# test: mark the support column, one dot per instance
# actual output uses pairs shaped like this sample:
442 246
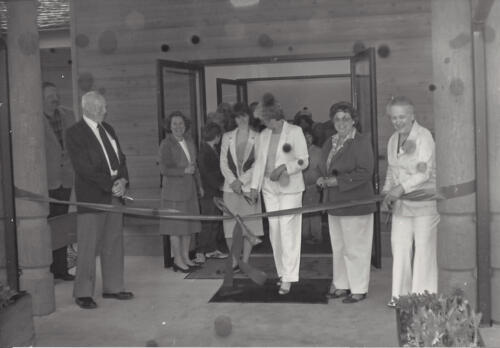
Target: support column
492 42
455 146
28 143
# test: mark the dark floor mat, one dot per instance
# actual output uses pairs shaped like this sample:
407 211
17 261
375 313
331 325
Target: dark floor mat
311 267
246 291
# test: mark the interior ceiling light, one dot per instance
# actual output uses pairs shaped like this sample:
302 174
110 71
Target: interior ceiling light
244 3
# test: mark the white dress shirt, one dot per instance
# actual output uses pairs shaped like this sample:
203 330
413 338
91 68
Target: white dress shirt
93 125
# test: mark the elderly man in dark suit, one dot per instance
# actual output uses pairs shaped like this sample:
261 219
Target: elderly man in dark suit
100 177
59 171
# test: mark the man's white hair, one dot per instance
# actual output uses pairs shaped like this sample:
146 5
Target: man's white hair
91 103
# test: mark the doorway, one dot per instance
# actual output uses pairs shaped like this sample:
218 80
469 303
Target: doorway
198 87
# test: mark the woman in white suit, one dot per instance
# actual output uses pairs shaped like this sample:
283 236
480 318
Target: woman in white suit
236 163
411 166
281 157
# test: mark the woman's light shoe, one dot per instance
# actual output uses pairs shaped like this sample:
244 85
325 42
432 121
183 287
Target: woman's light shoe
284 288
392 303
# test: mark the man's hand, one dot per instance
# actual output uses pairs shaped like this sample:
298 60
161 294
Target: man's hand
275 175
119 187
201 192
236 186
189 169
321 182
331 181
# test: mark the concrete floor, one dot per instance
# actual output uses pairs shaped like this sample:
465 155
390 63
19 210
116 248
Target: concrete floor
171 311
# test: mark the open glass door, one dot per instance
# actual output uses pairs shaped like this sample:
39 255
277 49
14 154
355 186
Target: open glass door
364 98
180 87
231 91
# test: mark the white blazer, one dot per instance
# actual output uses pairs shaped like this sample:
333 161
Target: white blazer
229 144
295 161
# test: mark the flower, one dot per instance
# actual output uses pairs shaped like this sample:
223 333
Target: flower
287 147
421 167
408 147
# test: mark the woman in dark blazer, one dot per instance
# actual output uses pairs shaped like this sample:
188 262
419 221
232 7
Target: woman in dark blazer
181 186
347 170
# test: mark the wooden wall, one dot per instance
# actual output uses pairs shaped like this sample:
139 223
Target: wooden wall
117 43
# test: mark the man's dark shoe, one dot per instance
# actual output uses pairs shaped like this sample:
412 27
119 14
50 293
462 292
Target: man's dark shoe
66 277
86 302
122 295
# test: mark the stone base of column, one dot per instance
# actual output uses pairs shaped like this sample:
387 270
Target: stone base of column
39 283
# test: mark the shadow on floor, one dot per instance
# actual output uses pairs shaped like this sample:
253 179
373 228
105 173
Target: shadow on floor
169 310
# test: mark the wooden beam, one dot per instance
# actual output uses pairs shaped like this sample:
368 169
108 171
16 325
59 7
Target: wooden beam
483 246
481 10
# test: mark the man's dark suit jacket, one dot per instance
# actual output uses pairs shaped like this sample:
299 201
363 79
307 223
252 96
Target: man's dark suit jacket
93 181
211 176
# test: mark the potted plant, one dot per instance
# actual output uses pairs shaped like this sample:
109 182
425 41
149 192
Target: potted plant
437 320
16 318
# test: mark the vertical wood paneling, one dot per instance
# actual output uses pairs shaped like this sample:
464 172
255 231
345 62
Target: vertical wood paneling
273 28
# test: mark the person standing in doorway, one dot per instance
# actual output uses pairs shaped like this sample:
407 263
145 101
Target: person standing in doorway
60 174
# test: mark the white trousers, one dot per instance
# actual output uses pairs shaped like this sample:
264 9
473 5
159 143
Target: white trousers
351 238
422 230
284 231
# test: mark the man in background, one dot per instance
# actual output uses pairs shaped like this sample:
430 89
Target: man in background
59 170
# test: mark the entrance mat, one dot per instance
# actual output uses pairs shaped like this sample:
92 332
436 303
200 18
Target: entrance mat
311 267
246 291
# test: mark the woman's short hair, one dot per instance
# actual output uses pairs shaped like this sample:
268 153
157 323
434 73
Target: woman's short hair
211 131
269 108
168 121
347 108
400 100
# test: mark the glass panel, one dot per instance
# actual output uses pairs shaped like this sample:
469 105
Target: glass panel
179 93
229 93
362 87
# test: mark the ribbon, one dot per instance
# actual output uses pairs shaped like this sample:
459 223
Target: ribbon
442 193
241 230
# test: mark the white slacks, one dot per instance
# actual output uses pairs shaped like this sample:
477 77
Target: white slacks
422 230
351 238
284 231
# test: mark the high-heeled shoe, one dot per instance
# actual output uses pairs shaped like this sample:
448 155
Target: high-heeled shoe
180 269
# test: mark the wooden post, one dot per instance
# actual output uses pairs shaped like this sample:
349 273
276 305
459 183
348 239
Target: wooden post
28 143
455 146
492 50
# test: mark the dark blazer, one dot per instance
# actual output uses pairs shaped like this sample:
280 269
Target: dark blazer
59 170
353 166
93 181
177 185
211 176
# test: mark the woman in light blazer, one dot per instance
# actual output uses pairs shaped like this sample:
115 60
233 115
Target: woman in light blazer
236 163
411 161
180 188
281 157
